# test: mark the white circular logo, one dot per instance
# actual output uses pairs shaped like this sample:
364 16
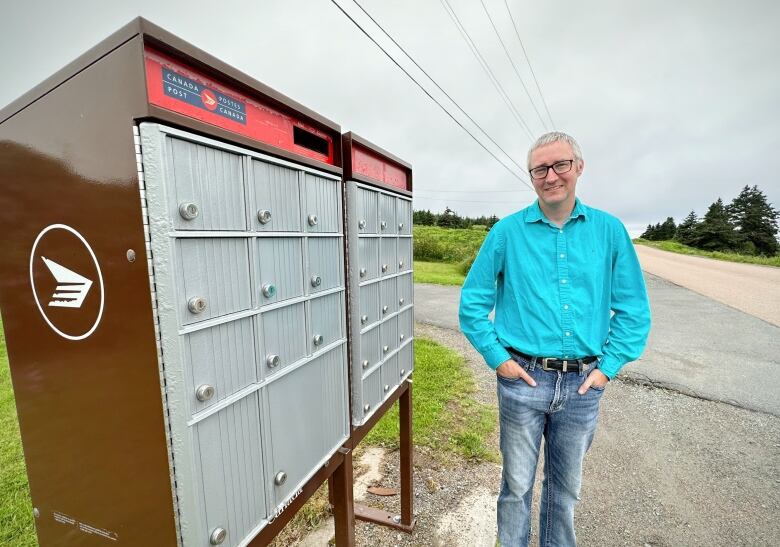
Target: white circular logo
66 282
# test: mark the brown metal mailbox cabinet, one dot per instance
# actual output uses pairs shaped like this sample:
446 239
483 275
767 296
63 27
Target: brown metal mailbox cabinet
173 295
379 235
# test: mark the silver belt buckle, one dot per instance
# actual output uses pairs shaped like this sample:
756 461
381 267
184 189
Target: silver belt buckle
545 367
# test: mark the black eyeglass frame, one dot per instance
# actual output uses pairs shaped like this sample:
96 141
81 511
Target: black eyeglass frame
548 167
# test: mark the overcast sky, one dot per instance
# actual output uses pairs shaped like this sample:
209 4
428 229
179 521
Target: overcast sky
674 103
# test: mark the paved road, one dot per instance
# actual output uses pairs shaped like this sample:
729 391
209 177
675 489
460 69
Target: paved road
747 287
697 346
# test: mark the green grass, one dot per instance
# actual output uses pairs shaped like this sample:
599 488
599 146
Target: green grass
434 244
445 416
440 273
16 522
675 247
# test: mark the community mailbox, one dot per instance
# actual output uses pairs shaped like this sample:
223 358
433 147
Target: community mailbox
379 232
173 295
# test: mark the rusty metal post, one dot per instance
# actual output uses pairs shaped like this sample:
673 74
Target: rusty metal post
340 485
407 486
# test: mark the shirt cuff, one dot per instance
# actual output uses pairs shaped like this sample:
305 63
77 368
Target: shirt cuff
609 366
496 355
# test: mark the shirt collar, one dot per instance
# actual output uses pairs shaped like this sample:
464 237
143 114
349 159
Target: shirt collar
534 212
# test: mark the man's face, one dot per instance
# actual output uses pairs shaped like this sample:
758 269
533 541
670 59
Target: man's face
556 189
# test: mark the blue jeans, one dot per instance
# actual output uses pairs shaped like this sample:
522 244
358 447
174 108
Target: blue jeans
567 420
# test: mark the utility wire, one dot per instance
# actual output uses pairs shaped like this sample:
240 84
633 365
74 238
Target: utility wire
514 66
517 32
399 46
480 143
483 63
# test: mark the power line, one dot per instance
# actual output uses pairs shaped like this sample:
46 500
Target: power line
364 31
514 66
517 32
482 191
483 63
447 200
399 46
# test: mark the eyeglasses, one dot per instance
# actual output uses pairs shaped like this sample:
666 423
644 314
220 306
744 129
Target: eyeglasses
560 167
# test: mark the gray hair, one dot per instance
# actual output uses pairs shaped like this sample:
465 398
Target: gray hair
555 136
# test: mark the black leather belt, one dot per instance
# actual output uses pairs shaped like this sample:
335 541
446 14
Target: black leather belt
553 363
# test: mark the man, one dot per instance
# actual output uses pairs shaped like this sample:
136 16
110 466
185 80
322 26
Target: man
570 310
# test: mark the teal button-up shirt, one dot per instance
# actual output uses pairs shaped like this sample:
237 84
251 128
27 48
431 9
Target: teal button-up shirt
568 292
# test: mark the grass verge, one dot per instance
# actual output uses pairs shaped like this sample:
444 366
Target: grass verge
444 415
675 247
440 273
16 522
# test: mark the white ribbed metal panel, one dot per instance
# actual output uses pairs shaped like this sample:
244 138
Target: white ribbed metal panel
367 211
376 325
403 212
387 219
279 262
282 335
275 199
212 180
326 265
223 357
321 198
302 406
215 270
324 330
229 451
404 289
388 256
367 258
232 418
369 304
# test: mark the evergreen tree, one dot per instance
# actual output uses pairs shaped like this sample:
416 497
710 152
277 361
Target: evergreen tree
686 229
491 221
756 220
649 233
667 230
449 219
715 232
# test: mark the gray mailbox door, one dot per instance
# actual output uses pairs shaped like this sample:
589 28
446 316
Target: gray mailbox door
245 254
379 227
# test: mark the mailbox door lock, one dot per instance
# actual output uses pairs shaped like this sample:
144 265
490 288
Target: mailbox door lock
401 301
387 388
317 339
363 319
272 361
264 216
402 337
365 364
197 304
217 536
400 225
188 210
316 281
269 290
383 224
384 309
361 224
384 268
312 220
204 393
366 407
280 478
403 371
363 272
385 349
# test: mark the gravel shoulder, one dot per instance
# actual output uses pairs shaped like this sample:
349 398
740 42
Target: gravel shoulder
665 469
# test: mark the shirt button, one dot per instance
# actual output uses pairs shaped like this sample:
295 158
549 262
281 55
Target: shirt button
568 334
563 281
563 255
565 306
565 356
560 231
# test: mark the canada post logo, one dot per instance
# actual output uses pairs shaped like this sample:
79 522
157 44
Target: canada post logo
191 92
66 281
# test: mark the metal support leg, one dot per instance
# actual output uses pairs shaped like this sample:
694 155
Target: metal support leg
407 487
340 492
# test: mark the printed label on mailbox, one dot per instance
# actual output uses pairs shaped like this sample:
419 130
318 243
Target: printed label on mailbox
191 92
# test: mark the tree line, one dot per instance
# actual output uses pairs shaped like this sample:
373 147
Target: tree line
747 225
451 219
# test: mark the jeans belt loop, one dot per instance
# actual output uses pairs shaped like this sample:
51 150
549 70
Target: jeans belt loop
532 365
